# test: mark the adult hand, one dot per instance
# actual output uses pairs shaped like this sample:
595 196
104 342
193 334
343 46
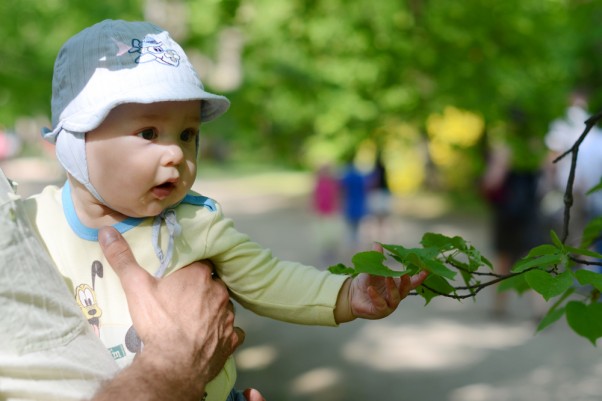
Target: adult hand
192 346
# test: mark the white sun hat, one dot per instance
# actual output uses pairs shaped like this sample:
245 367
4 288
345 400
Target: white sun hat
115 62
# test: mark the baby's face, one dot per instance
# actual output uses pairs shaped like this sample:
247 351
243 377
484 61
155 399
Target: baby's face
142 158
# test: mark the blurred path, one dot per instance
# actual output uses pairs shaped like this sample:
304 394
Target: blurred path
446 351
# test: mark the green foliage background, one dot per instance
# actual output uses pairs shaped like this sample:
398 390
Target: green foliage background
336 71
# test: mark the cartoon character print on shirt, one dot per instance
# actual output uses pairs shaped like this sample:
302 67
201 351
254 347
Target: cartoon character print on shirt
85 296
152 50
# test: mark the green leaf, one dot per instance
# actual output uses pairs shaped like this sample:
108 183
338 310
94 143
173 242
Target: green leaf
442 242
541 261
516 283
403 252
410 257
342 269
436 283
371 262
585 320
556 240
486 262
591 232
584 252
412 269
556 311
414 259
585 277
596 188
435 267
548 285
551 317
477 260
542 250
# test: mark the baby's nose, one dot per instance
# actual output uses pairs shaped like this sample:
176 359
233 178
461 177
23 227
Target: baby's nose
172 155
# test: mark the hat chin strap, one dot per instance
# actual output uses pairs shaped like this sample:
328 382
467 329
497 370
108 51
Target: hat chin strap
71 153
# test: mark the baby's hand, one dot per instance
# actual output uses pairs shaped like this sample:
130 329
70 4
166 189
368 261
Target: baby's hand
375 297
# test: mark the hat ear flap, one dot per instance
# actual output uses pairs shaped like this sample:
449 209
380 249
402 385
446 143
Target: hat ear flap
71 153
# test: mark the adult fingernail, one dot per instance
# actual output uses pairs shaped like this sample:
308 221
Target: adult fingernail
107 236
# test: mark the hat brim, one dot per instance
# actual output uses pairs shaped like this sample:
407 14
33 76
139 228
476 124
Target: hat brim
212 105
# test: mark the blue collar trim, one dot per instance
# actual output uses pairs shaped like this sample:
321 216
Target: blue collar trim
200 200
91 234
85 232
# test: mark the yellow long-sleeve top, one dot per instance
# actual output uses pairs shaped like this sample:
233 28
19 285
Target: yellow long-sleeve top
270 287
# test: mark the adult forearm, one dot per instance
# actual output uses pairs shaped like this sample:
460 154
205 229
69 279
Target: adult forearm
146 379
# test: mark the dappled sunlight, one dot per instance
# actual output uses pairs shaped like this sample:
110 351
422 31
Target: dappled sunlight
256 204
257 193
545 383
316 380
437 344
255 358
479 392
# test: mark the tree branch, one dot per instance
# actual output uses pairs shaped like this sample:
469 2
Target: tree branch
574 151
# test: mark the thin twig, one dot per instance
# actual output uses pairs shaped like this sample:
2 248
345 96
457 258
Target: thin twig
475 289
568 193
586 262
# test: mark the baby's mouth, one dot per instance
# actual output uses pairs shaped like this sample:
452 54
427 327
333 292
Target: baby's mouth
164 190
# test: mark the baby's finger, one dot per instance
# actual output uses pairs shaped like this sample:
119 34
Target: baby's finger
418 279
378 302
405 286
377 247
393 294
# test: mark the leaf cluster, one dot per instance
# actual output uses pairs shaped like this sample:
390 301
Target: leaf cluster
447 259
458 270
556 271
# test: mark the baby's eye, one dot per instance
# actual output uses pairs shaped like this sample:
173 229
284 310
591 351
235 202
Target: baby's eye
188 135
149 134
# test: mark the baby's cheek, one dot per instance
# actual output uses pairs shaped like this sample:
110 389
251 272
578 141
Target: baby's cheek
191 167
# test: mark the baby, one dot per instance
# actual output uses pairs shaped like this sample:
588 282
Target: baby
126 110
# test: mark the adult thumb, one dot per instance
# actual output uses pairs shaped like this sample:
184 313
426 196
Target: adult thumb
252 394
122 260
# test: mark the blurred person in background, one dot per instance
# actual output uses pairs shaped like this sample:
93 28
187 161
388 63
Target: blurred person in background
326 207
562 135
379 198
10 144
354 191
511 191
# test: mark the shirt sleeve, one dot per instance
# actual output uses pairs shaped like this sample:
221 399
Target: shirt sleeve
47 351
270 287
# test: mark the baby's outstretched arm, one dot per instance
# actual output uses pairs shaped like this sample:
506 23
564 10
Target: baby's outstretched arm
373 297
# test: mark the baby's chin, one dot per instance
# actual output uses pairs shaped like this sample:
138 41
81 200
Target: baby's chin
149 205
149 210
